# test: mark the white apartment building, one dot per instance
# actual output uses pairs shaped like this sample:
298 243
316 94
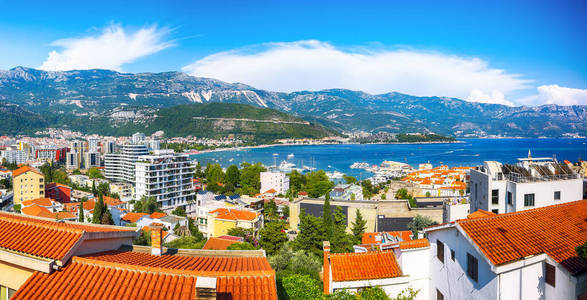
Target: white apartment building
531 183
14 156
523 255
166 176
274 180
92 159
121 166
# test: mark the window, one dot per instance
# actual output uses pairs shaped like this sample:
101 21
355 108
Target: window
440 251
509 198
494 196
452 255
557 195
528 199
439 295
495 211
550 276
472 267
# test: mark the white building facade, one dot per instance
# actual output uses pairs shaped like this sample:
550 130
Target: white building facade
532 183
274 180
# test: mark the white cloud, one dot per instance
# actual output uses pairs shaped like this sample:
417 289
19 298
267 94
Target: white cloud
111 49
555 94
316 65
496 97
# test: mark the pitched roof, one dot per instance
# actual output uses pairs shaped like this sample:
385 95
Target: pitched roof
132 217
555 230
362 266
413 244
38 201
205 265
92 279
480 214
215 243
371 237
111 201
37 211
25 169
43 237
157 215
234 214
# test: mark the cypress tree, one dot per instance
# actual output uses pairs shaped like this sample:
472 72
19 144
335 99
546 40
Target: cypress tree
327 219
81 212
98 210
359 226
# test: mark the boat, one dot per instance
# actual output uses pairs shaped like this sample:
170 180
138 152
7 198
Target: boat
286 166
334 175
290 156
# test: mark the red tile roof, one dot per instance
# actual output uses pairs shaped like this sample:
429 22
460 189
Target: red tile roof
132 217
93 279
370 237
234 214
555 230
37 211
206 266
215 243
362 266
480 214
42 237
25 169
232 238
111 201
419 243
157 215
38 201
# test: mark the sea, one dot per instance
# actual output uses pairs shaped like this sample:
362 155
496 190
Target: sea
467 152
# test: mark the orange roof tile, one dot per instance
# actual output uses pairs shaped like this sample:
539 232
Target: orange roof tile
89 205
234 214
41 237
37 211
480 214
270 191
362 266
419 243
555 230
157 215
25 169
204 265
62 215
111 201
371 237
81 279
215 243
132 217
39 201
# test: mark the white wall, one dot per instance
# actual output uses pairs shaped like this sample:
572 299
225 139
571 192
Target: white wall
571 190
415 264
450 277
391 286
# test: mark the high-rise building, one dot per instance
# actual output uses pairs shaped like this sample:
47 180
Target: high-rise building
277 181
109 147
166 176
93 144
138 138
531 183
92 159
121 166
14 156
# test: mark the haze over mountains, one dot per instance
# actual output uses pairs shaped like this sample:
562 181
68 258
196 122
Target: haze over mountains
115 97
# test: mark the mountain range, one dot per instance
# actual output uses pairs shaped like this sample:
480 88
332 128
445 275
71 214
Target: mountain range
112 95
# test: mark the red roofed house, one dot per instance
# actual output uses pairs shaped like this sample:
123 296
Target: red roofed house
520 255
405 266
44 259
222 219
58 192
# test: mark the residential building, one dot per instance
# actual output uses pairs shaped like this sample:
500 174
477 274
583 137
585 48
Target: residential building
92 159
221 242
28 183
167 177
109 147
278 181
222 219
138 138
121 166
123 189
531 183
346 192
528 254
14 156
58 192
402 266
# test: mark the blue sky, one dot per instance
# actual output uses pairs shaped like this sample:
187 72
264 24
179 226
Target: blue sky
510 52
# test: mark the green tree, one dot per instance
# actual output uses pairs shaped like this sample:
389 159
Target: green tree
186 242
372 293
302 287
420 222
272 237
98 210
16 208
241 246
103 188
349 179
358 226
107 217
94 173
250 178
341 241
270 210
407 294
196 233
214 174
179 211
327 222
232 176
310 234
76 172
317 184
305 263
285 211
383 197
147 205
582 250
296 182
199 173
81 210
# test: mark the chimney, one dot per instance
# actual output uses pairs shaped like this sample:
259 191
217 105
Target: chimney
156 248
206 288
326 267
